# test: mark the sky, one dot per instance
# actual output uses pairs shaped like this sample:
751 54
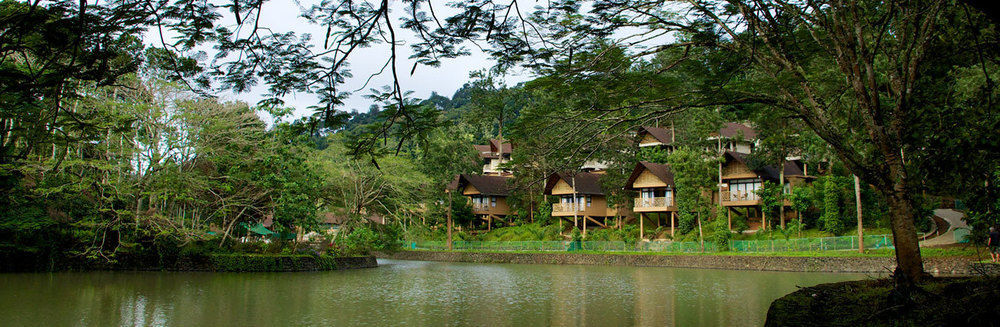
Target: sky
284 16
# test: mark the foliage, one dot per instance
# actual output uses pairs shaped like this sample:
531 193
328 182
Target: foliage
628 234
525 232
770 201
719 230
693 177
831 219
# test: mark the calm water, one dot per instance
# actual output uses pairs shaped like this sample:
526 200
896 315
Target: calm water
409 293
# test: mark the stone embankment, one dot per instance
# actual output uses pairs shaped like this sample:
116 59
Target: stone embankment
936 266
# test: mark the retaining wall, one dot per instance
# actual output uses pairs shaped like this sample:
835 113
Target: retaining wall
936 266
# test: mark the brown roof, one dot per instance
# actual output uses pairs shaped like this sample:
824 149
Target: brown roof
770 172
732 130
487 185
498 146
662 172
663 135
586 183
493 150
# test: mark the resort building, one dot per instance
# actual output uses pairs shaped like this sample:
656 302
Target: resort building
651 136
493 156
735 137
739 185
581 199
655 201
731 137
487 194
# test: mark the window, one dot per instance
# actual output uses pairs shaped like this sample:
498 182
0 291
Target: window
493 201
589 201
744 189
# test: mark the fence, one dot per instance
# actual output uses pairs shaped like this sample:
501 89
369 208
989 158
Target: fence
790 245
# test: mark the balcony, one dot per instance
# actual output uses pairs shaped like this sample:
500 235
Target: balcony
740 198
566 209
653 204
481 208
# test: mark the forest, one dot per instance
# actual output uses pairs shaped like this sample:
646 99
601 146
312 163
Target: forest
114 146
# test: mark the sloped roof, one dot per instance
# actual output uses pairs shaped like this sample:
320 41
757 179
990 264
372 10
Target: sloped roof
769 172
586 183
732 130
484 151
493 150
661 171
663 135
497 146
487 185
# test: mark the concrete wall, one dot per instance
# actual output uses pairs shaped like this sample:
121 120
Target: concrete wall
936 266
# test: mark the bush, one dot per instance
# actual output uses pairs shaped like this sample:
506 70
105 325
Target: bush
360 241
719 229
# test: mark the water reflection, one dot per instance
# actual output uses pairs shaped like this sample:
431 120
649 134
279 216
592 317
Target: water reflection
403 293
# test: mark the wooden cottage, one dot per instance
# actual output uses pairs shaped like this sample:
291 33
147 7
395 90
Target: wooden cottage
651 136
655 200
487 194
739 185
493 156
735 137
581 199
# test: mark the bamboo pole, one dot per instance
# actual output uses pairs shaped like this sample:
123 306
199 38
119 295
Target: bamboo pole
857 199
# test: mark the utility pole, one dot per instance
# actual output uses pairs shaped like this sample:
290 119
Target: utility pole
857 198
575 204
449 219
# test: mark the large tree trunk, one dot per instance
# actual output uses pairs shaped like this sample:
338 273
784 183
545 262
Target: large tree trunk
909 264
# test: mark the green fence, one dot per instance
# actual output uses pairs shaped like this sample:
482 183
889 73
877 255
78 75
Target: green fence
790 245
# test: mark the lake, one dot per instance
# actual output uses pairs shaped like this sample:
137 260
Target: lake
410 293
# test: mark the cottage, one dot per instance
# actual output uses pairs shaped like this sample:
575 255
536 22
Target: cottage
655 201
651 136
581 199
487 194
740 183
493 156
735 137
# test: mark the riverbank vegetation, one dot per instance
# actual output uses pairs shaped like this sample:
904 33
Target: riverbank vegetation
117 147
973 253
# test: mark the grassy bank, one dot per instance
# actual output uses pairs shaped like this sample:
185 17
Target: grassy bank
938 302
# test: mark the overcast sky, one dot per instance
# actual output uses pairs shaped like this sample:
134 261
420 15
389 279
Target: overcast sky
284 15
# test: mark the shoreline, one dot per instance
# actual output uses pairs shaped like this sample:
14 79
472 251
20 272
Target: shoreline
938 266
215 263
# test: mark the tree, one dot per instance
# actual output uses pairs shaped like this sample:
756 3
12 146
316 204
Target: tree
694 179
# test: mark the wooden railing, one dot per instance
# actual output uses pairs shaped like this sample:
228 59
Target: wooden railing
567 207
654 202
481 207
728 196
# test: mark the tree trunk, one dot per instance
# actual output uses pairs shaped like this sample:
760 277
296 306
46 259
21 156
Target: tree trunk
909 264
701 238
